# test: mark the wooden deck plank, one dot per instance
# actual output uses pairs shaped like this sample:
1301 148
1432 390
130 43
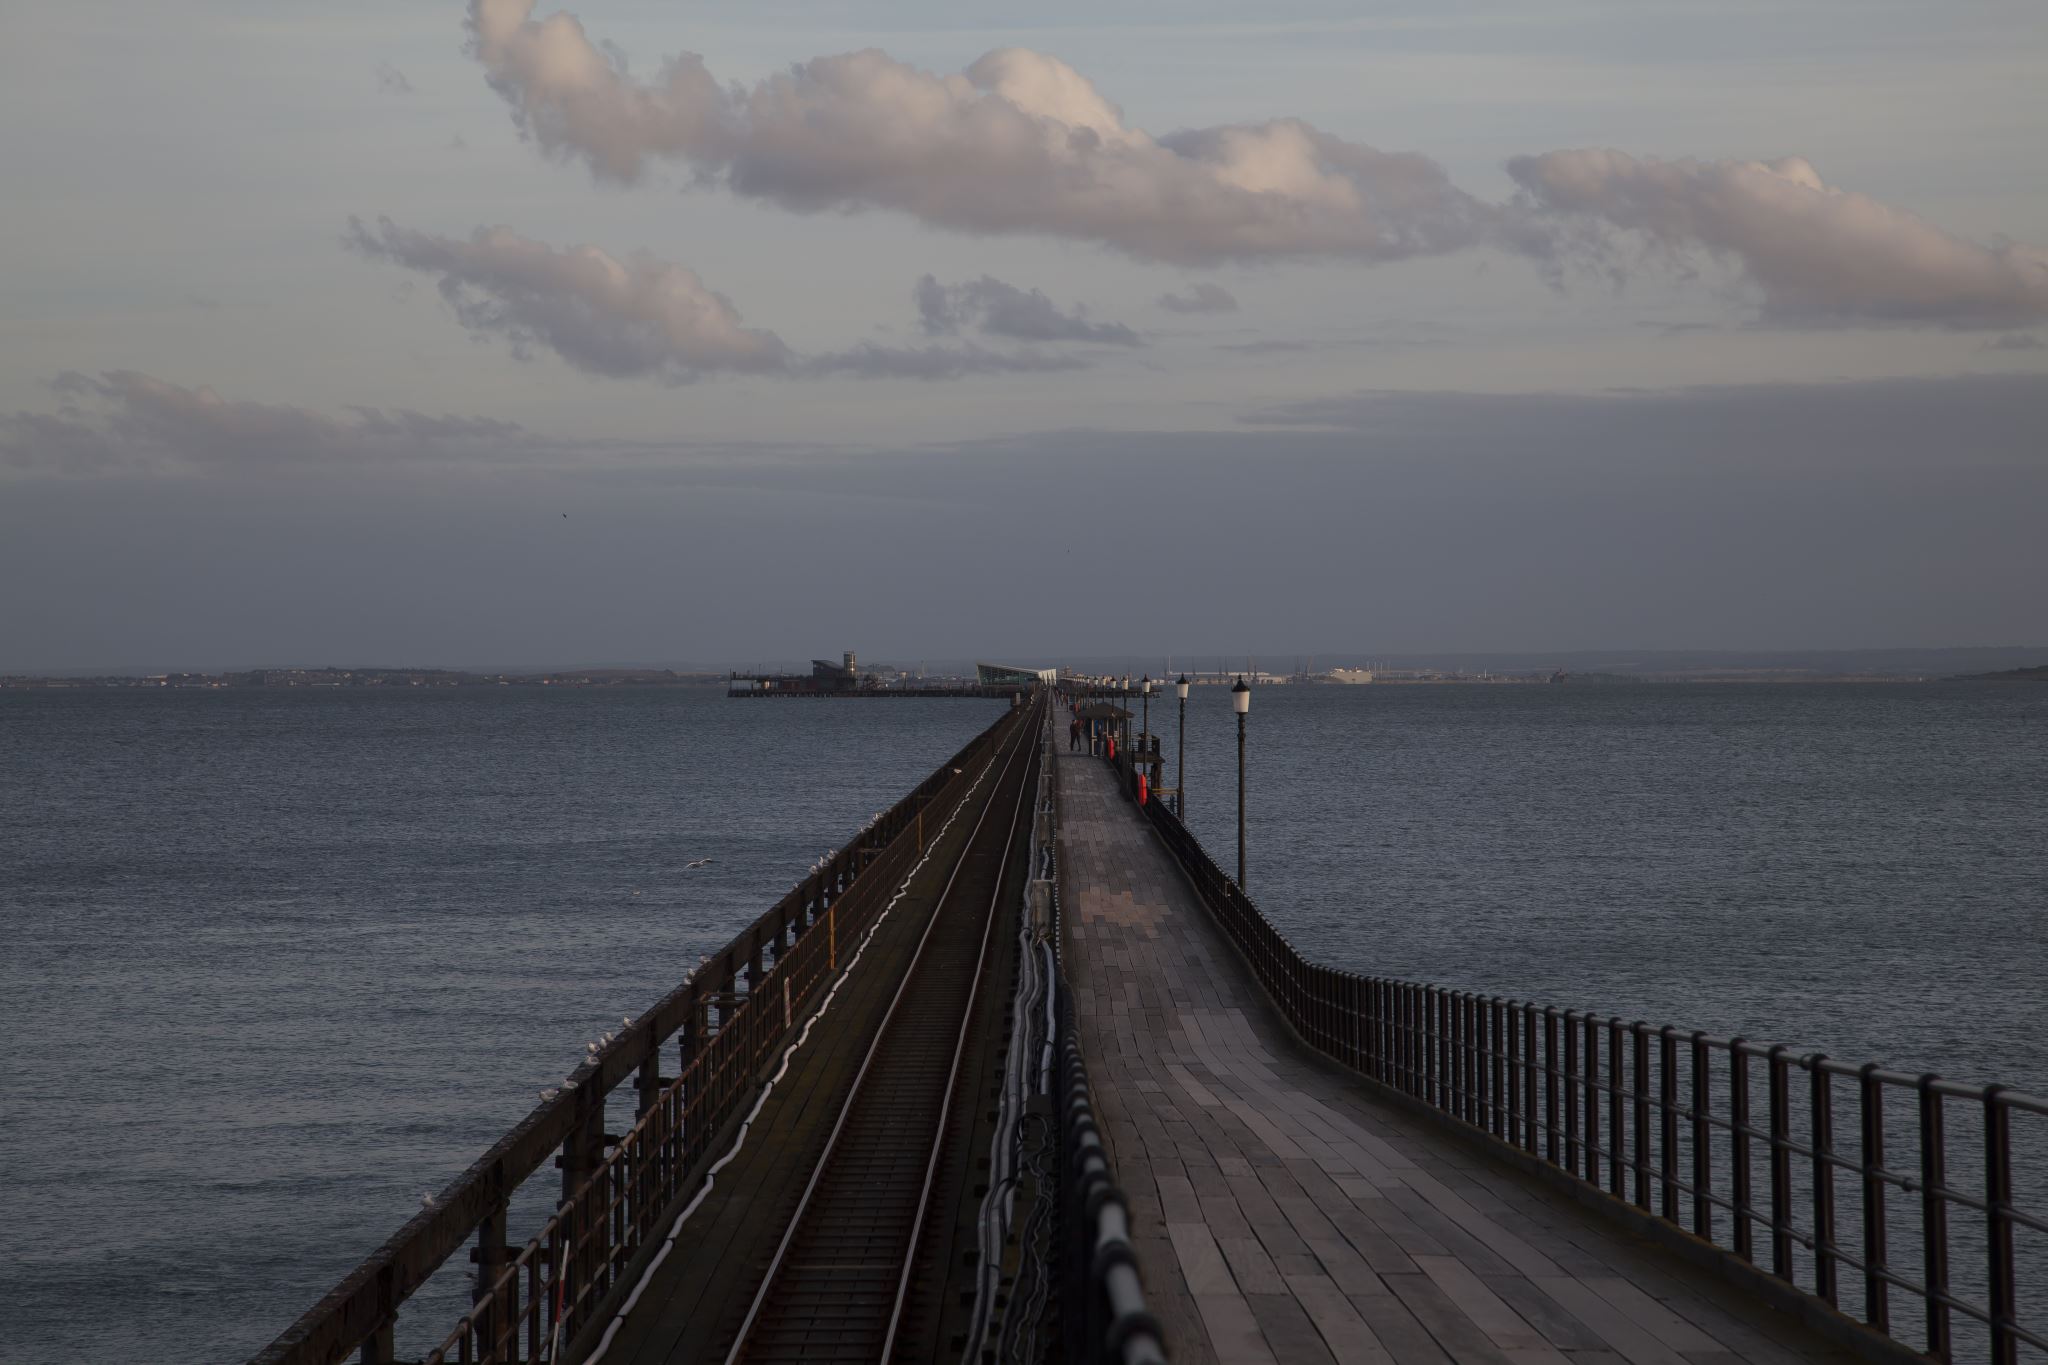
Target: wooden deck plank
1304 1219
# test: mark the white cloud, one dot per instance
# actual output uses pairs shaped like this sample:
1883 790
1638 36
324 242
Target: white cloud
1002 309
1818 254
1203 297
1019 142
622 318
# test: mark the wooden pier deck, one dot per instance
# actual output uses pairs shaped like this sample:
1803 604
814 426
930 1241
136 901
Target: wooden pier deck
1287 1215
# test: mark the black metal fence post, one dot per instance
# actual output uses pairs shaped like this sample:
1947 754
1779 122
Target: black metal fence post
1998 1227
1738 1149
1876 1291
1822 1136
1667 1065
1702 1139
1641 1032
1781 1162
1934 1217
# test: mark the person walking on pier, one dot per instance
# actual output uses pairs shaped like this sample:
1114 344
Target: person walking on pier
1073 734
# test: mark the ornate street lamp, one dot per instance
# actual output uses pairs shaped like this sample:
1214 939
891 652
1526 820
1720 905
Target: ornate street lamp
1145 690
1241 699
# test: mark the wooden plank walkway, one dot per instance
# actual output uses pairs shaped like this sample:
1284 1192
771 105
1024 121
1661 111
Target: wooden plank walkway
1286 1215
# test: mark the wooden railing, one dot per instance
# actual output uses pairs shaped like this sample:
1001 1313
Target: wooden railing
727 1019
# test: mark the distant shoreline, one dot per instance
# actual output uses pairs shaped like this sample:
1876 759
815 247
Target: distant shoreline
276 679
273 680
2039 674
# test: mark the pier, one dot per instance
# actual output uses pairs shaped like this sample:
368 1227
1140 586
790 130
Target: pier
1020 1074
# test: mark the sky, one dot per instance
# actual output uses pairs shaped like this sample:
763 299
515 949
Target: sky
445 333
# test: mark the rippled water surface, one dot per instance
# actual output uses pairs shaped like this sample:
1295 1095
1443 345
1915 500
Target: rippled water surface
279 962
1856 868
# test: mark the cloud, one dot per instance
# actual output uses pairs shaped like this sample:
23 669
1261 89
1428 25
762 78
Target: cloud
1004 310
1818 254
1866 424
1274 347
2016 341
1827 515
1018 143
869 361
648 318
125 421
1205 297
392 81
637 317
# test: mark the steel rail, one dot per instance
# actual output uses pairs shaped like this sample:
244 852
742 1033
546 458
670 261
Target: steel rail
1024 740
931 1168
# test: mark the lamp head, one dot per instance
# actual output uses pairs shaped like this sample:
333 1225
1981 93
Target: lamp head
1241 697
1180 686
1145 684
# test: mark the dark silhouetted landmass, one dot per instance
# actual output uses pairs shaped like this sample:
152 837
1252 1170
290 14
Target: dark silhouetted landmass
2009 675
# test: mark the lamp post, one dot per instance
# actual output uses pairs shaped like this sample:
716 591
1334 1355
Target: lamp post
1180 764
1145 691
1241 699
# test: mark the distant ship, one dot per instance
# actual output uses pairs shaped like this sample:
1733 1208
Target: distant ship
1348 675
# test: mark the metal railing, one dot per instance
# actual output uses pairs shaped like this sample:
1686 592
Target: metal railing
1853 1208
727 1017
1104 1298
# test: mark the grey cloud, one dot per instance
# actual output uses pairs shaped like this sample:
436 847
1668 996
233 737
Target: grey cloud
640 316
1204 297
1862 424
1817 253
645 317
392 81
1273 347
2016 341
1001 309
125 421
1019 142
1803 517
870 361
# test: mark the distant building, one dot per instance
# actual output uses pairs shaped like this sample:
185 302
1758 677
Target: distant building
1008 675
828 675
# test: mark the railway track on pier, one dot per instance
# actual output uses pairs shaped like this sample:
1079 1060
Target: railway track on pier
861 1267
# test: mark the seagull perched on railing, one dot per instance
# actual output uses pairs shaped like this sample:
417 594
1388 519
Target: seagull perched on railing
549 1093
